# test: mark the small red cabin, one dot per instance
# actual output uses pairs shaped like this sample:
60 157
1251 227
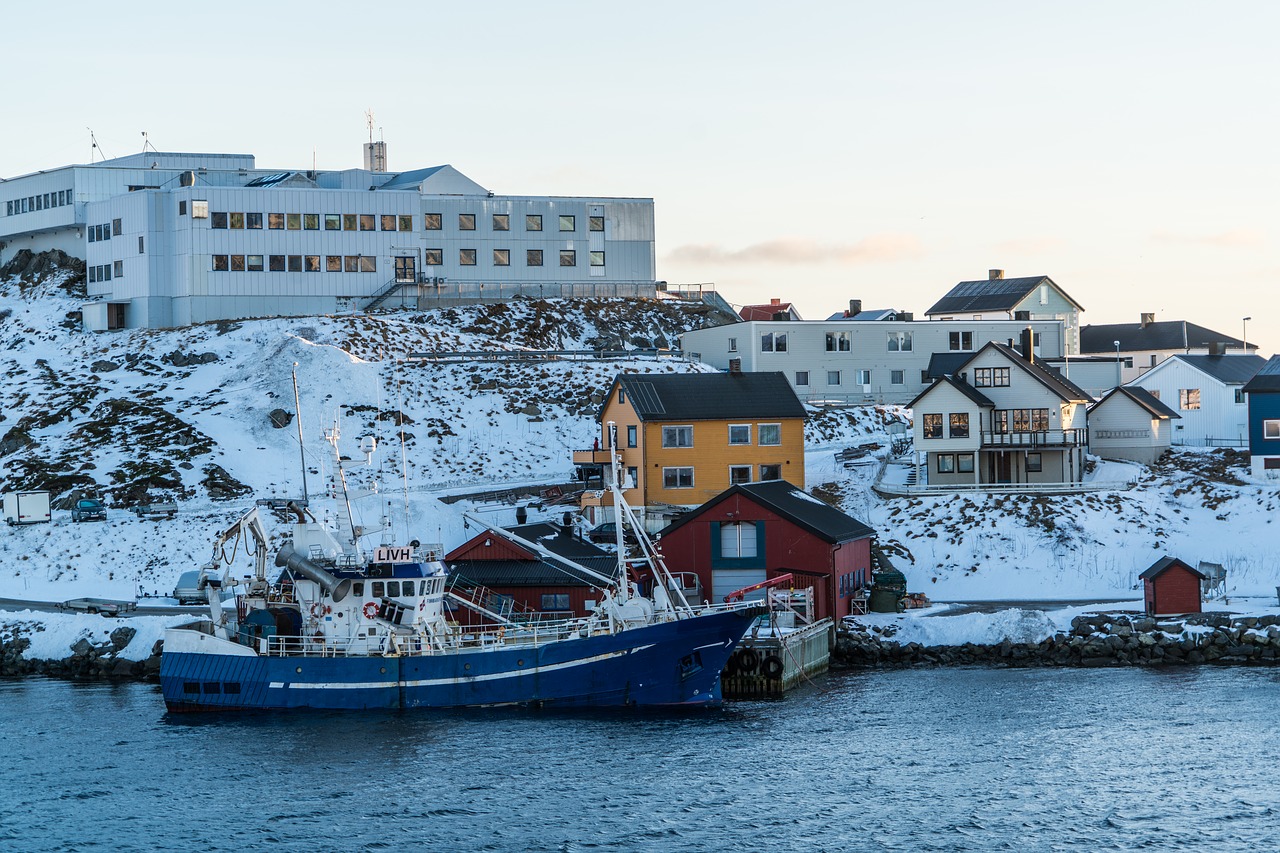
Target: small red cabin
1170 587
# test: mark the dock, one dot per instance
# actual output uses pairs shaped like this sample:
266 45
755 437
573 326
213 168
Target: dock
772 661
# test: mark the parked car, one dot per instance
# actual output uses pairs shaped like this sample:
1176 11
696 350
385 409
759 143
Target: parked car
607 533
188 590
88 509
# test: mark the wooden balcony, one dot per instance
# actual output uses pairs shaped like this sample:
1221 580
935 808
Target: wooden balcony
590 457
1040 438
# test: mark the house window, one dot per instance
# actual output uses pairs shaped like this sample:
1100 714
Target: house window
833 377
739 433
253 263
567 223
770 472
739 474
502 257
1239 395
295 263
897 377
964 463
802 378
237 263
596 258
332 221
351 263
1188 399
770 342
311 263
432 221
1020 420
533 222
738 540
220 263
1271 463
502 222
863 377
677 436
770 435
533 258
633 476
218 220
350 222
959 424
677 478
900 342
1128 362
961 341
389 222
932 425
622 395
406 222
368 222
946 463
467 257
568 258
733 344
333 263
237 221
1033 463
555 601
433 257
275 263
466 222
140 244
1271 430
368 263
595 223
631 435
253 221
310 222
991 377
837 341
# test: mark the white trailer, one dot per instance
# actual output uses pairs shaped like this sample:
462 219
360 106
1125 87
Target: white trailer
26 507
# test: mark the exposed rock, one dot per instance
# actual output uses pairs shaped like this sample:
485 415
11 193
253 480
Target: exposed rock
221 485
280 418
122 637
104 366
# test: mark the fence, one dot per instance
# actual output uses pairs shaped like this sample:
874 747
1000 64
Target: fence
423 296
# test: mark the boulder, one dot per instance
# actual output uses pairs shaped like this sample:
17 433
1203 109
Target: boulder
122 637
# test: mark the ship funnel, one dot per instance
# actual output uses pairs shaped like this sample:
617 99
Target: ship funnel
286 557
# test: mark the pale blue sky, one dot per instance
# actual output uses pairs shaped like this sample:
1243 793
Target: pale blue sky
815 152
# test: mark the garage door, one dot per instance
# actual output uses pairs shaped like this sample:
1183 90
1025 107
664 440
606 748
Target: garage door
725 581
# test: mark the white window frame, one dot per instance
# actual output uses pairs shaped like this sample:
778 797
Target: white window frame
802 379
1271 429
901 342
733 344
863 376
673 435
733 427
676 469
1186 402
836 375
760 437
897 377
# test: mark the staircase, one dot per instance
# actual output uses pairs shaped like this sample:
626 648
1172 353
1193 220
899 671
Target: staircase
386 291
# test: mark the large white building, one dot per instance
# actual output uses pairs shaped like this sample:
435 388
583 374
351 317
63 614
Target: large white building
175 239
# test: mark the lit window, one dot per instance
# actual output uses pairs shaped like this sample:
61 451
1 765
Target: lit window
677 436
770 434
739 433
502 222
466 222
677 478
931 425
1188 399
567 223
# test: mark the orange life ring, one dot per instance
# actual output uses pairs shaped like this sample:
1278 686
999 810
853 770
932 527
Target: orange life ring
370 609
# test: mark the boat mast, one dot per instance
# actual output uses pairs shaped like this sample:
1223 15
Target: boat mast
297 415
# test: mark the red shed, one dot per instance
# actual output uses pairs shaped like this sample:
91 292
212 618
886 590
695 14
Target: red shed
1170 586
508 578
756 531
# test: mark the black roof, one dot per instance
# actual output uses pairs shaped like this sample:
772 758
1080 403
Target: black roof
1163 563
1041 372
1227 369
710 396
1266 379
991 294
946 363
805 511
963 387
1143 398
528 572
554 538
1164 335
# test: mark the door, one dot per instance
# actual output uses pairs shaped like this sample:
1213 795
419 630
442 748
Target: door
1000 468
406 268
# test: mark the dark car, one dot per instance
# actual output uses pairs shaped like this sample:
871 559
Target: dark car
607 534
87 509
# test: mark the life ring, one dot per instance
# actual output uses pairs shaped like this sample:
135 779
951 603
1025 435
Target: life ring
318 610
370 609
772 666
748 660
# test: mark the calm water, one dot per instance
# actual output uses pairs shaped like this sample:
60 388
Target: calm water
947 759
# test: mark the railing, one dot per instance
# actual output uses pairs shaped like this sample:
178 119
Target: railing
1122 433
468 356
1038 438
903 489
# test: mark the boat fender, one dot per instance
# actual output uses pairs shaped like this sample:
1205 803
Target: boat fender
370 609
772 666
730 667
748 659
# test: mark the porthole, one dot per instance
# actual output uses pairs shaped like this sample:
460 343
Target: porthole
520 662
466 666
383 670
298 670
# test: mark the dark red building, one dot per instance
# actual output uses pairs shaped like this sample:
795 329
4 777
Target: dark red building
517 582
756 531
1170 586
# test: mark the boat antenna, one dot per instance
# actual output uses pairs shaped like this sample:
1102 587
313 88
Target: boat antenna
297 415
404 459
333 435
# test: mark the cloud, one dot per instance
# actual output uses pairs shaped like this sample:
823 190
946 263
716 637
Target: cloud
1240 238
799 250
1031 245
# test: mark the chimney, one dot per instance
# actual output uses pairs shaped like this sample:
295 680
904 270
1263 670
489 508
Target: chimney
522 515
1148 318
1026 342
775 301
855 308
995 275
735 366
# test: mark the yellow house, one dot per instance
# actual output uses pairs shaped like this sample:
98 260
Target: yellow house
685 438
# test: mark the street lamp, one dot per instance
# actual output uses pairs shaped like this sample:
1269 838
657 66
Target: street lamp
1244 335
1117 343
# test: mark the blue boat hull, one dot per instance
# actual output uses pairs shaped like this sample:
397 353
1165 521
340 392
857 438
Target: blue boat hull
673 663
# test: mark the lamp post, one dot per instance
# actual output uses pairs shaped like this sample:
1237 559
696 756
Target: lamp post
1244 335
1117 343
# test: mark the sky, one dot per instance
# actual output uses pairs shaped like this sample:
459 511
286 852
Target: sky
815 152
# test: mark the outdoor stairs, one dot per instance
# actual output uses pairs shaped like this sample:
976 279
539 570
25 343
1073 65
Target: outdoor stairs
386 291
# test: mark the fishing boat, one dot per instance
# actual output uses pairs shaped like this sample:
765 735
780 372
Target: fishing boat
339 628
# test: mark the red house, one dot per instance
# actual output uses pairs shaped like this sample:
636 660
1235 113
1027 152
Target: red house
755 531
520 584
1170 586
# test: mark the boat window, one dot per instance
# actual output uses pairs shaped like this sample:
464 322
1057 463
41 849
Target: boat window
393 589
425 586
379 589
357 588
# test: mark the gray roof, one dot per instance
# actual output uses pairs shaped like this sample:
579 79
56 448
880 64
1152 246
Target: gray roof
1143 398
946 363
821 519
406 180
1267 379
995 294
1164 335
1159 566
963 387
866 315
710 396
1042 373
1227 369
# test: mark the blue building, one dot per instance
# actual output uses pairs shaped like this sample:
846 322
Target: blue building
1263 393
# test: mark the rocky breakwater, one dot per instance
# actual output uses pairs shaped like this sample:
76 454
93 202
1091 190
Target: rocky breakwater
1094 640
87 659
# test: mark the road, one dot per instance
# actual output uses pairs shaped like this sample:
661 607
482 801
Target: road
143 609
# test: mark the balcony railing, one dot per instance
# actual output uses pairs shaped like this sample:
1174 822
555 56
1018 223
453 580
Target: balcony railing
591 457
1039 438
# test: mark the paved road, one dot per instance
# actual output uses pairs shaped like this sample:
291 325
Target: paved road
144 609
963 607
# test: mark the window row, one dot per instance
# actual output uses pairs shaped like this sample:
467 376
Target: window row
1019 420
768 435
106 231
295 263
105 272
991 377
958 424
502 257
44 201
502 222
955 463
861 377
237 220
682 477
835 342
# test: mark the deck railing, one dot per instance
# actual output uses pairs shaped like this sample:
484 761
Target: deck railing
1038 438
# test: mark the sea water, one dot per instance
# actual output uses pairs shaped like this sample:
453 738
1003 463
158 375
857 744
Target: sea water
927 759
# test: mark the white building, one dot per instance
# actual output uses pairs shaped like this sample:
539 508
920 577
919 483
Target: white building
1207 391
1025 298
175 239
1130 423
1138 347
853 361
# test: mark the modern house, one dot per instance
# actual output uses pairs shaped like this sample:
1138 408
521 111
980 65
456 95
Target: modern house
686 437
1130 423
1171 587
1208 392
1263 395
518 583
171 239
1138 347
1027 298
750 533
1001 418
850 361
